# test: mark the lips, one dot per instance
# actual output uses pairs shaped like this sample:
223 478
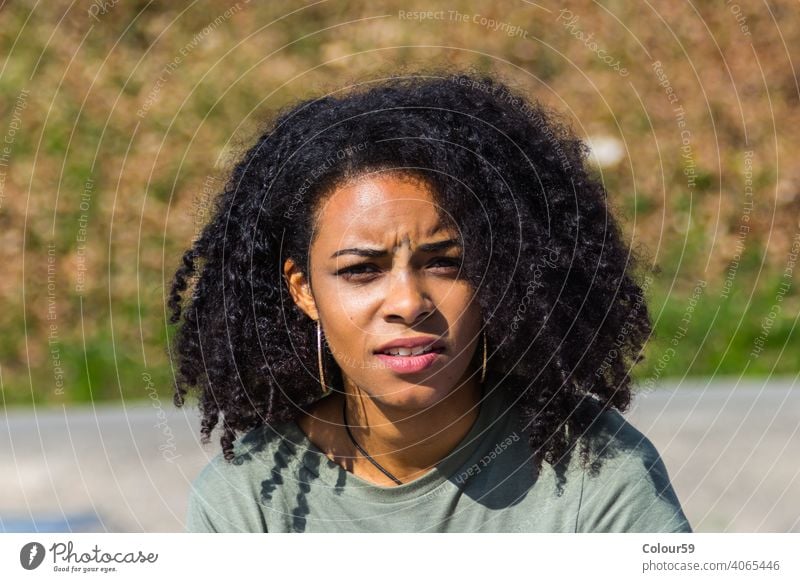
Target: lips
409 347
409 364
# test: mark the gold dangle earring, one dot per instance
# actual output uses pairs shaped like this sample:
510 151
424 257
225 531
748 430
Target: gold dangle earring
325 389
483 367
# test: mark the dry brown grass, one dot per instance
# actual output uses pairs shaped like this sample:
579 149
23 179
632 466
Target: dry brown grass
87 71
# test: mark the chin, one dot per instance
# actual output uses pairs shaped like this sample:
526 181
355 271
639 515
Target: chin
407 396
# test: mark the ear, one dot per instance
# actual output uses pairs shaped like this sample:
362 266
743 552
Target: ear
300 289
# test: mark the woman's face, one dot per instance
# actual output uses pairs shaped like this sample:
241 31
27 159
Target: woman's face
384 268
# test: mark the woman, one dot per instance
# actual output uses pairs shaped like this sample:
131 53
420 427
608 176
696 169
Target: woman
413 312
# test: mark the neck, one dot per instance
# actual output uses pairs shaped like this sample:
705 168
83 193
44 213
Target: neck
408 443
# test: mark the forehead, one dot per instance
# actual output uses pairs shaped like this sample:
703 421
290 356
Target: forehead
379 208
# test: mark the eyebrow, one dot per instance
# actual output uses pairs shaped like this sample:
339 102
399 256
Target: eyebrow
377 253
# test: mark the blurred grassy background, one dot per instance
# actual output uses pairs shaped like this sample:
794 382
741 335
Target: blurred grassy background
119 121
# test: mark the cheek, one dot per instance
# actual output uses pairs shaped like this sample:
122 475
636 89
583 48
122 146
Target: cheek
346 319
351 307
460 308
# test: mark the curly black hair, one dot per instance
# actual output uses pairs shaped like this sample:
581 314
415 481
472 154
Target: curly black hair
564 315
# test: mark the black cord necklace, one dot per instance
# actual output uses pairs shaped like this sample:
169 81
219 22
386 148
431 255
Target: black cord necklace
358 446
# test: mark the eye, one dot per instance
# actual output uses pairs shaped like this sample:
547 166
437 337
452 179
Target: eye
367 271
356 271
446 263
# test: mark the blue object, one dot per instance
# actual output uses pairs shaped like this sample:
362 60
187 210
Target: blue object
53 523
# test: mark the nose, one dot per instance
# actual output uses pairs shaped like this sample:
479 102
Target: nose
406 299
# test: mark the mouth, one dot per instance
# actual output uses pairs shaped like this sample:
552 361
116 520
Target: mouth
415 360
409 355
411 352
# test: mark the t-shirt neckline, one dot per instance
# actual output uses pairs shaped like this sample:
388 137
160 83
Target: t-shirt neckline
346 483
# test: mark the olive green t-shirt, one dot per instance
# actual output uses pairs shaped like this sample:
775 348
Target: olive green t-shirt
280 481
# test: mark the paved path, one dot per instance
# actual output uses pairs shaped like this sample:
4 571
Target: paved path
731 450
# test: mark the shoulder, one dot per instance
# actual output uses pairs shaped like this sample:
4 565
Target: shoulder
225 495
615 441
627 485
